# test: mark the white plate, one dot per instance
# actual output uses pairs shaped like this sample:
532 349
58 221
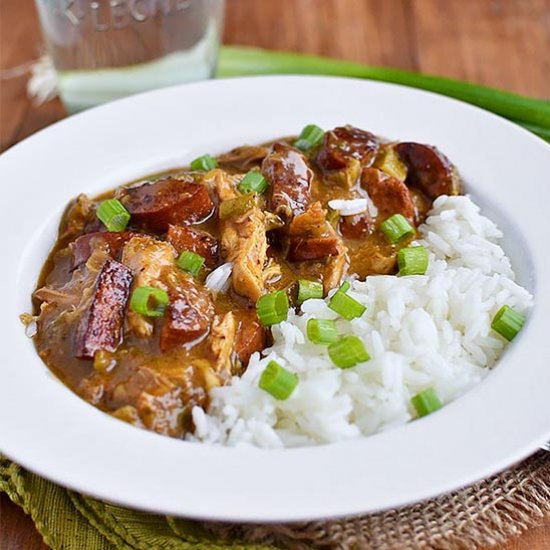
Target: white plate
51 431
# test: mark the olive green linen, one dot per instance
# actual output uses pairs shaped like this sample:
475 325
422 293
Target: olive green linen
487 513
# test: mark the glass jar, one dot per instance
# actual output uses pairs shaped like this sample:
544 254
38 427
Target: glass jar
107 49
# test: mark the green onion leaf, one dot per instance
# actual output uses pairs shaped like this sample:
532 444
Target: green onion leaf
253 182
346 306
345 286
278 381
204 163
508 322
272 308
149 301
309 289
190 262
412 260
322 331
348 352
113 215
232 208
310 137
242 61
426 402
396 227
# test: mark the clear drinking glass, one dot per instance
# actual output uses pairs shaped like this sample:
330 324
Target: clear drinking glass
106 49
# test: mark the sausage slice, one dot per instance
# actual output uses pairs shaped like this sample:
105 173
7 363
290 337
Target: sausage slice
389 195
251 336
429 170
290 180
83 247
344 144
100 327
316 248
188 315
182 237
168 201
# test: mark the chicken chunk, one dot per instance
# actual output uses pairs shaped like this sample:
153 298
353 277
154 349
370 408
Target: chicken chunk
221 341
243 242
146 257
243 239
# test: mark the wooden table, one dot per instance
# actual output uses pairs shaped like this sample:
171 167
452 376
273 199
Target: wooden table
502 43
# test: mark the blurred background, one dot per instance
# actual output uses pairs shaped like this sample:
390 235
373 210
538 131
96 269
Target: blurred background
501 43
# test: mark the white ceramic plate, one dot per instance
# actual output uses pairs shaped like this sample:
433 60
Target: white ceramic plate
49 430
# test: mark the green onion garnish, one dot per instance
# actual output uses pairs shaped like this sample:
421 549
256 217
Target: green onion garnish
396 227
272 308
508 322
345 286
310 136
233 208
348 352
113 215
149 301
412 260
322 331
204 163
309 289
426 402
190 262
278 381
346 306
253 182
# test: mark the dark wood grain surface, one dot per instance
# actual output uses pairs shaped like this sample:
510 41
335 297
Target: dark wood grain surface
502 43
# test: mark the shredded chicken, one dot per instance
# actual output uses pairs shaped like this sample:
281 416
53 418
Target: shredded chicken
221 341
146 257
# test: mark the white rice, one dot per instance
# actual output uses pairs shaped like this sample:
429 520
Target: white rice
421 331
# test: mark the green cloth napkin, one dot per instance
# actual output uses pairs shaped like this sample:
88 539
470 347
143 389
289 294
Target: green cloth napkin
70 521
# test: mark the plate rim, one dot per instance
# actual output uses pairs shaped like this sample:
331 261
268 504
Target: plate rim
265 82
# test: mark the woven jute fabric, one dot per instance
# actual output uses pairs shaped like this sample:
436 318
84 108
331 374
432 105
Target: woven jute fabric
482 515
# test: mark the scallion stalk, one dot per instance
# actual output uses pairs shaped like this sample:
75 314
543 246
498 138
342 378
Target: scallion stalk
242 61
322 331
278 381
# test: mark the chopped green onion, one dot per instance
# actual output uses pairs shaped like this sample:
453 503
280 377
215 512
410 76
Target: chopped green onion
272 308
190 262
348 352
204 163
346 306
113 215
508 322
309 289
345 286
233 208
412 260
310 137
322 331
426 402
396 227
278 381
253 182
149 301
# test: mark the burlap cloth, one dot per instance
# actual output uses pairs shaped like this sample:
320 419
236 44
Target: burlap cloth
479 516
